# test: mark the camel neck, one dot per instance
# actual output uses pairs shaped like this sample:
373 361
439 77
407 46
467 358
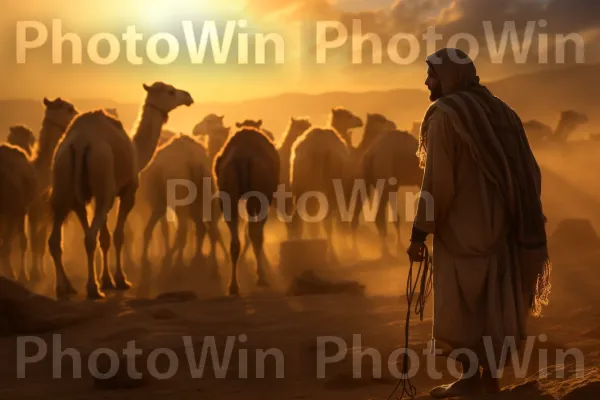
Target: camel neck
564 129
50 134
147 134
343 131
288 141
368 138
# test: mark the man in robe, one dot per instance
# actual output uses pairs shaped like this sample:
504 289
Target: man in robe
481 201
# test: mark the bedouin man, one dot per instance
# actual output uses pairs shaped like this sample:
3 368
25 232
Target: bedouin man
481 201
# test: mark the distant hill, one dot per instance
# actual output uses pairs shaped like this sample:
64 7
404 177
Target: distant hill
540 95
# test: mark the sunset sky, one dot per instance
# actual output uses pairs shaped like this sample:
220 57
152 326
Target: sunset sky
295 21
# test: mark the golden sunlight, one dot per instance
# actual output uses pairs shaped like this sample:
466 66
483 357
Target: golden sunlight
157 10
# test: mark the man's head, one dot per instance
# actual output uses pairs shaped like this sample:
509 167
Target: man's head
449 70
434 84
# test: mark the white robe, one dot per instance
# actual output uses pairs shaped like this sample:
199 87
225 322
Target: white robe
475 292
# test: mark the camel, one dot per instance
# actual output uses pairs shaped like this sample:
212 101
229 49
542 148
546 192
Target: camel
182 158
98 160
294 130
569 121
18 186
58 114
257 124
22 137
319 157
248 162
165 136
135 216
375 126
392 160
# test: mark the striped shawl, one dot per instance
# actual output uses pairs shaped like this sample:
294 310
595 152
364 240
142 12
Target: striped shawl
496 139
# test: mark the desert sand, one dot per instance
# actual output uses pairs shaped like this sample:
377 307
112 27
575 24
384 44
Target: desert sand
270 318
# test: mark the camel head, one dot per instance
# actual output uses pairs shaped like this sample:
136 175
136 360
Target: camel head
574 117
377 123
166 98
344 121
250 123
209 124
112 112
22 137
294 130
59 113
299 125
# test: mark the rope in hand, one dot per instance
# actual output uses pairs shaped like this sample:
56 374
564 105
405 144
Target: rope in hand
424 279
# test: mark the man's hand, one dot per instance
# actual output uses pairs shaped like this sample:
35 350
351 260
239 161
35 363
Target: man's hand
416 251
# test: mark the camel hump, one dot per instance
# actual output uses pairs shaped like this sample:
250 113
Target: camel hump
248 142
95 118
17 175
111 117
318 141
12 152
250 150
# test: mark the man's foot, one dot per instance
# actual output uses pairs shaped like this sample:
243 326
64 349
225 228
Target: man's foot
461 388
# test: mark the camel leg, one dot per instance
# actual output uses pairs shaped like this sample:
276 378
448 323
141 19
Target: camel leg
126 203
381 222
199 260
247 242
181 237
108 283
328 226
168 257
289 225
64 288
5 247
148 231
23 275
128 253
214 236
256 233
234 251
219 239
356 218
37 240
398 225
91 242
32 225
297 226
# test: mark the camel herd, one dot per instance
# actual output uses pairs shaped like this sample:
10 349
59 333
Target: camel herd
89 158
80 158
